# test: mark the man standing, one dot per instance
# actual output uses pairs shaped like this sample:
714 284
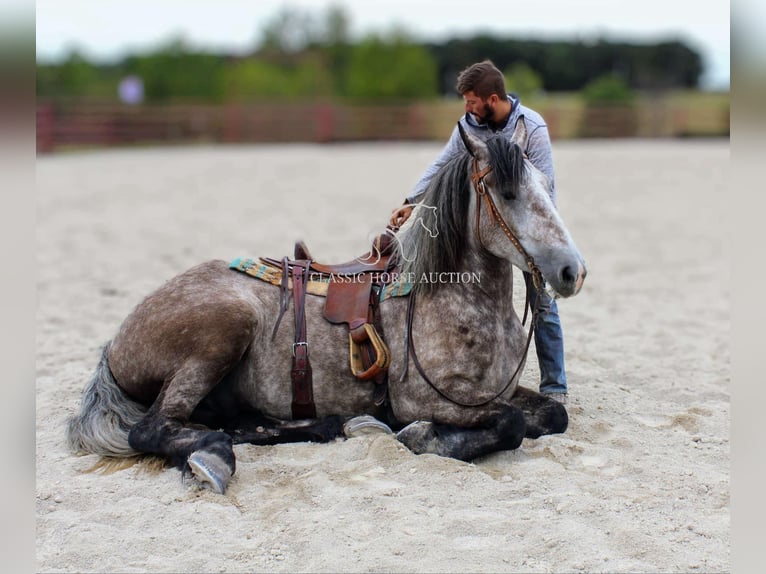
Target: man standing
491 111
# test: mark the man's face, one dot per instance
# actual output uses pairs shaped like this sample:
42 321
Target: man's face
482 110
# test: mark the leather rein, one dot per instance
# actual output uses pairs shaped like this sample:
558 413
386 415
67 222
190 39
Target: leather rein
477 178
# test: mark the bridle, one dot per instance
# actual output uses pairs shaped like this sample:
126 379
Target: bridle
477 178
535 277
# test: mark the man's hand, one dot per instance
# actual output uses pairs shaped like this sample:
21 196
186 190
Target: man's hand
400 215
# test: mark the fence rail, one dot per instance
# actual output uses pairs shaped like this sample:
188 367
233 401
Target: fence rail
75 124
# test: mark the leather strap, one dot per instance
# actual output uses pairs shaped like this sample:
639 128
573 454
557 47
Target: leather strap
303 406
495 217
284 296
534 277
410 352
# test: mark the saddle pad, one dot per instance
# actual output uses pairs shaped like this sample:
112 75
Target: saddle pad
270 274
318 282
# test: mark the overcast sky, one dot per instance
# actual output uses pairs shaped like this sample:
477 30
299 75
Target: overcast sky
107 29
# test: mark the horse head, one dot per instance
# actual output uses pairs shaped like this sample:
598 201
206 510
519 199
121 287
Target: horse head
513 214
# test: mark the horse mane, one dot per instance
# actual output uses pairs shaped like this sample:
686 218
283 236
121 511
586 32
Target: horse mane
449 192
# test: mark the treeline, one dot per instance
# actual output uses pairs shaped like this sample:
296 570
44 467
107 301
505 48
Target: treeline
571 66
304 56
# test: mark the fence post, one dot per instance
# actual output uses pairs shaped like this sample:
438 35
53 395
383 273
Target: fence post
232 123
325 119
417 122
552 121
45 128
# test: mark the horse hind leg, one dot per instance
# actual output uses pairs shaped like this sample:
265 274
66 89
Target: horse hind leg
166 429
504 431
542 414
106 416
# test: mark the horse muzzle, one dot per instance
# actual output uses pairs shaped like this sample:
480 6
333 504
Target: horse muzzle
568 279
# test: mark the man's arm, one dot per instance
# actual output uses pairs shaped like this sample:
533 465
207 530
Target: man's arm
400 214
540 153
451 149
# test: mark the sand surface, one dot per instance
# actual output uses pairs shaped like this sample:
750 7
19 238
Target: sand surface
639 483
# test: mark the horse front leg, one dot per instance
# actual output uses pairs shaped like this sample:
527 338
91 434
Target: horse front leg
503 431
252 428
543 414
165 429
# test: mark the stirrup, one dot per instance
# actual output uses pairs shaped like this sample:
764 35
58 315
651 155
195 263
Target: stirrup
382 355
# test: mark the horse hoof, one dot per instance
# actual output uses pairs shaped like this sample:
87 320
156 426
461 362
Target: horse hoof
420 437
210 470
364 424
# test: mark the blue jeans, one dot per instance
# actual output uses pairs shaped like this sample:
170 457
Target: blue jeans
549 343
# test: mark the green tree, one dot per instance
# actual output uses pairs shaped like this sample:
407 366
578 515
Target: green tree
336 26
73 77
570 65
252 78
174 72
609 110
522 80
335 43
609 89
289 31
389 68
312 76
307 77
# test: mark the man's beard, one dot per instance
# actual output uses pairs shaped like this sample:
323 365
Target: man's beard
487 116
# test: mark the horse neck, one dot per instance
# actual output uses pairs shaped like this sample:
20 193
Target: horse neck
478 275
495 275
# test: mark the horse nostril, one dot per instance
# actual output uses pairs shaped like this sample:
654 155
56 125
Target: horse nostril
567 276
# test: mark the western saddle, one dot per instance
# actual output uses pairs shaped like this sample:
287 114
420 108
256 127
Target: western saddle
353 292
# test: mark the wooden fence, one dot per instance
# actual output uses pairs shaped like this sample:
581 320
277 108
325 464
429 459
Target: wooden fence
67 125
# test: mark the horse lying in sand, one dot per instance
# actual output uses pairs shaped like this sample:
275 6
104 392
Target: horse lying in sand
198 365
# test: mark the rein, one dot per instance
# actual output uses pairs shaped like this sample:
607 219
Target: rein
410 349
477 177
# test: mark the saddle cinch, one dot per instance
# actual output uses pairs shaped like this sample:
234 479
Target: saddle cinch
352 291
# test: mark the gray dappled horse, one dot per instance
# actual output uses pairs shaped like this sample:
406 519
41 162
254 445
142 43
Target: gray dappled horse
198 354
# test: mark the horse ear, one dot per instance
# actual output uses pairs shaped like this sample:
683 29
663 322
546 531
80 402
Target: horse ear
519 136
474 145
464 137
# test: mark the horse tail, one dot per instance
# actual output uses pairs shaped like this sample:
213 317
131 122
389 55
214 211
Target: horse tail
106 416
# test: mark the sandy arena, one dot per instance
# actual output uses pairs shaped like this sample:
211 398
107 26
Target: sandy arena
639 482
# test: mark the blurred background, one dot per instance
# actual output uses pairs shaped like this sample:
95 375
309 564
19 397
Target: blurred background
144 72
140 72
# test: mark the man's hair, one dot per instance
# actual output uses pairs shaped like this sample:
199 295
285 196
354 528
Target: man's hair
483 79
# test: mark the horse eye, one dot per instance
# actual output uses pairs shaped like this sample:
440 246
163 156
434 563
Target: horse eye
507 192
